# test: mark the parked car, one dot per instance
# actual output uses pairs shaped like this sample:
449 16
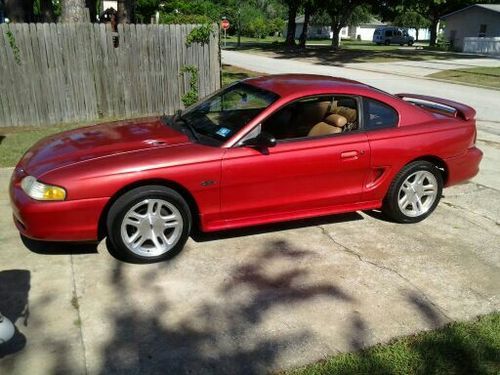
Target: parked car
392 35
263 150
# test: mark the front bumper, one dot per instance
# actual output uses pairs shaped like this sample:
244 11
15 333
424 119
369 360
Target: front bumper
76 220
464 167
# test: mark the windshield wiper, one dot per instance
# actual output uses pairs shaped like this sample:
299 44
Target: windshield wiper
178 118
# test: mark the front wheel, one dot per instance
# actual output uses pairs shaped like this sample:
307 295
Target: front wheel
414 193
149 224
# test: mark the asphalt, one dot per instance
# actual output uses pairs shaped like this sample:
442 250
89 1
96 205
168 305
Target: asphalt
259 299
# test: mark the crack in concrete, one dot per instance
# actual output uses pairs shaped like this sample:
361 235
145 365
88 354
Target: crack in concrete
456 206
76 305
385 268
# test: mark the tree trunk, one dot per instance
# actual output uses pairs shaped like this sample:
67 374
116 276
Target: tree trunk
303 35
416 34
92 5
19 10
47 11
290 33
336 36
434 26
73 11
126 11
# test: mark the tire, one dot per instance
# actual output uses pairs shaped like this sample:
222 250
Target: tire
149 224
414 193
410 44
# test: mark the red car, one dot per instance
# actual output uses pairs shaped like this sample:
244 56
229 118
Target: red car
262 150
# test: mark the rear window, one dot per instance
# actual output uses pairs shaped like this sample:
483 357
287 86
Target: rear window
378 115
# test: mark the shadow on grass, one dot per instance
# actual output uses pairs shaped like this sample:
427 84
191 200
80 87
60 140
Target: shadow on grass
2 137
324 55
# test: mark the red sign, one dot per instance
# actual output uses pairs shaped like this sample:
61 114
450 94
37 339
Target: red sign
225 24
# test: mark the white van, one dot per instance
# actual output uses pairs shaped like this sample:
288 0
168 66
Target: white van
392 35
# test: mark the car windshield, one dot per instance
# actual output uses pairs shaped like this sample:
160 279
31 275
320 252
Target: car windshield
222 115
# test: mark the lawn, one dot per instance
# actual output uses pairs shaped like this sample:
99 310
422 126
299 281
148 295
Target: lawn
351 51
489 77
15 141
459 348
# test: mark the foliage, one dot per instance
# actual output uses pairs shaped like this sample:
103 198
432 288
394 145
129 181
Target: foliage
458 348
13 45
146 9
411 20
172 18
190 97
200 34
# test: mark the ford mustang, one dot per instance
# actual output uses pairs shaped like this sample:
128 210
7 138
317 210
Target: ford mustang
263 150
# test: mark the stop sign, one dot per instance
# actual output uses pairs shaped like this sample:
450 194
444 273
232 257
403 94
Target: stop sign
225 24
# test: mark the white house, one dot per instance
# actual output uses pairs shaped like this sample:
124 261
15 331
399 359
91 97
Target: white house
478 24
364 31
106 4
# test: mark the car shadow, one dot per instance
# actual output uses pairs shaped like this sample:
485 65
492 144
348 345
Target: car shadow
58 248
199 236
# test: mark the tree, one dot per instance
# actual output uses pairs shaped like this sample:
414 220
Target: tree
19 10
308 9
412 20
47 11
293 7
73 11
124 11
343 13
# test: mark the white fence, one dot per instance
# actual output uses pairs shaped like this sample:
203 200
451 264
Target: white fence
486 46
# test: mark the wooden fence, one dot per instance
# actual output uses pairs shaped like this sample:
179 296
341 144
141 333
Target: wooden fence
57 73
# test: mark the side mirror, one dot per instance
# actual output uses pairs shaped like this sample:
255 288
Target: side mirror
263 141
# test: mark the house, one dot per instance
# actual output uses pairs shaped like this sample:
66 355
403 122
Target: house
364 31
474 26
106 4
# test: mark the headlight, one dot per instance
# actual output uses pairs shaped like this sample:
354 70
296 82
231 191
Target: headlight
42 192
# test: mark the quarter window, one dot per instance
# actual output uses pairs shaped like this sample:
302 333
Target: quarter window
378 115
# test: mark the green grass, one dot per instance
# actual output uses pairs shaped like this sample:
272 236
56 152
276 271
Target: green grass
14 142
489 77
351 51
232 73
459 348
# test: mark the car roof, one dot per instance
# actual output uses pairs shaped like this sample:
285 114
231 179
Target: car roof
290 84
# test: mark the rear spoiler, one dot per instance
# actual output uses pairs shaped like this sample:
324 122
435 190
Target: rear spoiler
454 108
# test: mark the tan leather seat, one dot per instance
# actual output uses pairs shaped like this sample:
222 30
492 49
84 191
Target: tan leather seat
331 125
349 113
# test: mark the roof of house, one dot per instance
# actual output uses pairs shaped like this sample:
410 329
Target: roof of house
493 7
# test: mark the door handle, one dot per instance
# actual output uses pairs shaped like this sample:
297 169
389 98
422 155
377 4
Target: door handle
350 154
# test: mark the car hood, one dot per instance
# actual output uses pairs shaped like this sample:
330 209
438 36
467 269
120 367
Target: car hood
98 141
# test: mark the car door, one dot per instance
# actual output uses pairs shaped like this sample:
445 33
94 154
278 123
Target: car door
295 176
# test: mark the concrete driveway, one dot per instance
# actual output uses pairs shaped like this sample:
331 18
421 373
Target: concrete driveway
254 300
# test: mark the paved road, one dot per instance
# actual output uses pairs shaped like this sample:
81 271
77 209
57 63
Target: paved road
426 67
254 300
485 101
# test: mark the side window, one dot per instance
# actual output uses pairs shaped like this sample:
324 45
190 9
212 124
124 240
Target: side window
313 117
378 115
388 33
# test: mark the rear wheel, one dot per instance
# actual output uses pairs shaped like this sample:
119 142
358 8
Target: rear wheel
387 42
414 193
149 224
